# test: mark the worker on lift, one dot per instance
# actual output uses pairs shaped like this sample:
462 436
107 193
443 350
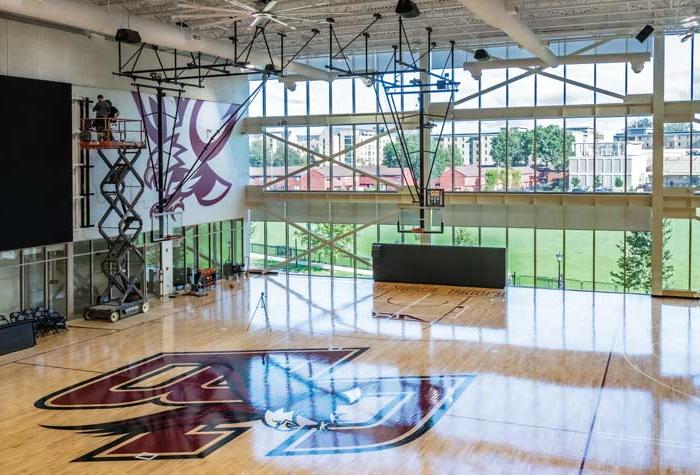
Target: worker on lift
102 109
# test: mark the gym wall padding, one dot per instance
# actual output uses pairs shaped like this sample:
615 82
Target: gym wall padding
440 265
35 163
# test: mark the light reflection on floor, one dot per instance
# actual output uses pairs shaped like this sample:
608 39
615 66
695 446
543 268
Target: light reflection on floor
651 396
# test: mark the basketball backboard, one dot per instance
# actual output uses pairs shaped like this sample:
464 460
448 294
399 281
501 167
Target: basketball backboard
166 225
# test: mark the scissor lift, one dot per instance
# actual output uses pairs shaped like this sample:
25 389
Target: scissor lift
122 187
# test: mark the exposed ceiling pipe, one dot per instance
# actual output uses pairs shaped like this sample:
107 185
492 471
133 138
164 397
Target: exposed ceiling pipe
497 14
96 19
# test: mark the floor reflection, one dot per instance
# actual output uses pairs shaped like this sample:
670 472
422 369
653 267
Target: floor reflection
536 358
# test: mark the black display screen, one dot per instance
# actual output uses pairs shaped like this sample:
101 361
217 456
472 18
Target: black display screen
35 163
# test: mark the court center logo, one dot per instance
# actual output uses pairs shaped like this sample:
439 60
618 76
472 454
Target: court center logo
204 400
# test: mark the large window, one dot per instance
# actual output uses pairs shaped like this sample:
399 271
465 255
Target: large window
578 154
519 146
521 256
681 254
677 68
581 161
493 157
678 154
638 150
578 259
610 155
607 260
575 259
33 277
550 258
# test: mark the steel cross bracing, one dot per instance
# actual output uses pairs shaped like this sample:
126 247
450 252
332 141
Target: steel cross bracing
122 246
323 242
333 158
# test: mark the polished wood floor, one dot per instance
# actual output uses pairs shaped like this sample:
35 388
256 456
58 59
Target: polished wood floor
376 378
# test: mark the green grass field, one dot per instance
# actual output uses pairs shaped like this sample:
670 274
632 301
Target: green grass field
588 257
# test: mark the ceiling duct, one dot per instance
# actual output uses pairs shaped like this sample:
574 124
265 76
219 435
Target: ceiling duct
96 19
496 14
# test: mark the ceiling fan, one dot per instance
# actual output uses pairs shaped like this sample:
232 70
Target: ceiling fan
270 10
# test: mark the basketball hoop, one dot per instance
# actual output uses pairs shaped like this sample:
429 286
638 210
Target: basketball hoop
176 240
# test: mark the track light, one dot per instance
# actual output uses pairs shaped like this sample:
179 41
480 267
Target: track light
125 35
407 9
644 33
688 35
368 81
481 55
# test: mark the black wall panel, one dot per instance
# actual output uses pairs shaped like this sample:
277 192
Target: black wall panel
35 163
441 265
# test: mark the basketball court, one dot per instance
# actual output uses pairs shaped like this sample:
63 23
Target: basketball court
434 304
532 381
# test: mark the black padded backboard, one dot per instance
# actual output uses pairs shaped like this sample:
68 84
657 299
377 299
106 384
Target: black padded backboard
441 265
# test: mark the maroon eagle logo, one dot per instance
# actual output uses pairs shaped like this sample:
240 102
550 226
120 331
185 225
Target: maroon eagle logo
186 149
206 399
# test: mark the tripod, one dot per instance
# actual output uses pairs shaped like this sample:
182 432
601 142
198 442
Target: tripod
262 302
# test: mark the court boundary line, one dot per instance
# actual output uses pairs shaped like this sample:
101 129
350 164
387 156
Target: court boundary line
461 303
595 413
57 367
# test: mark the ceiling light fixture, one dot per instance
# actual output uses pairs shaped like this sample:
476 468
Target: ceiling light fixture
481 55
124 35
407 9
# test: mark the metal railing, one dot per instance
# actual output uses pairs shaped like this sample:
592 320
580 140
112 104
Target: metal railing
112 132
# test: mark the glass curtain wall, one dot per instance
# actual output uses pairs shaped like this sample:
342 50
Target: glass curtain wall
218 244
34 277
589 154
576 259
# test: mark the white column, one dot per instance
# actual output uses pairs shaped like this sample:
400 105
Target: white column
70 288
426 239
657 189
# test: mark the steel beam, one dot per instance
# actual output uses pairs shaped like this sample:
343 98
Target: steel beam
630 108
657 204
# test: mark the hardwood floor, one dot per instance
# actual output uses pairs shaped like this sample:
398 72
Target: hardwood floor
357 377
